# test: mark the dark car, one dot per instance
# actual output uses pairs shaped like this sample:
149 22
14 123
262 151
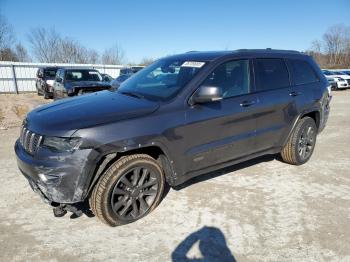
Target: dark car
180 117
72 82
130 70
107 78
346 72
45 77
125 73
119 80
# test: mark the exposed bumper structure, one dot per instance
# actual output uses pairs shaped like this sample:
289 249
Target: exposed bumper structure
59 178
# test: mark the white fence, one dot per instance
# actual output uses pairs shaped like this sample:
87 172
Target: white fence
17 77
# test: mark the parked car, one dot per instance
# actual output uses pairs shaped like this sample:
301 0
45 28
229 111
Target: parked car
125 73
45 77
332 82
342 80
119 80
346 72
182 116
77 81
107 78
130 70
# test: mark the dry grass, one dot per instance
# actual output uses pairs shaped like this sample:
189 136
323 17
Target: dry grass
1 116
20 110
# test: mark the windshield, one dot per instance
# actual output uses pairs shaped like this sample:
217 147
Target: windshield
83 75
50 73
161 80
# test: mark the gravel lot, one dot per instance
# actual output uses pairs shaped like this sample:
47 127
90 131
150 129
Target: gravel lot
261 210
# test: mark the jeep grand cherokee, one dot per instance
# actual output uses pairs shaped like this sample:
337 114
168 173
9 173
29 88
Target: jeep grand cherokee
180 117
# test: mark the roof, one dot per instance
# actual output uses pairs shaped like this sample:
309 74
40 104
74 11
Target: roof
212 55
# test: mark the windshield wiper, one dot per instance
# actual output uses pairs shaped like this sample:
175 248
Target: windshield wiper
128 93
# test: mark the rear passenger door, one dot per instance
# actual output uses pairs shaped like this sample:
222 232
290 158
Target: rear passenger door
276 109
305 83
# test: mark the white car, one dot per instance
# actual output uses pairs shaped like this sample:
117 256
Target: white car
342 81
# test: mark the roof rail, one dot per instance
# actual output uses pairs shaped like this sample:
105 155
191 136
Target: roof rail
268 49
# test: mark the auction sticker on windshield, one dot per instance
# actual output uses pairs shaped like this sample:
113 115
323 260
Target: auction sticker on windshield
193 64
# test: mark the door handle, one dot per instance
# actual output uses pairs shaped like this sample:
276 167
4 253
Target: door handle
293 93
247 103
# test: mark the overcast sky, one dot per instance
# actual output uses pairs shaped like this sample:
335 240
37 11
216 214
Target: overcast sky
159 28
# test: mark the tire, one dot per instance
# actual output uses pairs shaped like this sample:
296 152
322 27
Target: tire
116 201
301 142
46 95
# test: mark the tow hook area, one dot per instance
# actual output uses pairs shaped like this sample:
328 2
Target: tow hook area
62 209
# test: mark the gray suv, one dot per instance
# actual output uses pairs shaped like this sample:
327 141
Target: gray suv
180 117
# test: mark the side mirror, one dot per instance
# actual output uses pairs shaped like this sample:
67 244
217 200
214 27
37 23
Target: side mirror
40 74
59 80
206 94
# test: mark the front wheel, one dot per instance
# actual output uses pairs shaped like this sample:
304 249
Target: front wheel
301 143
129 190
46 95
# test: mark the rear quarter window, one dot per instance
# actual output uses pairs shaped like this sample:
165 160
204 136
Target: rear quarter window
301 72
271 73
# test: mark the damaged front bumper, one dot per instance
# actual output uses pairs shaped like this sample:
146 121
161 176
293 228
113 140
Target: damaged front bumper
58 178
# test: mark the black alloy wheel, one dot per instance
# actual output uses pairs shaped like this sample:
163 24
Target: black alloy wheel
134 193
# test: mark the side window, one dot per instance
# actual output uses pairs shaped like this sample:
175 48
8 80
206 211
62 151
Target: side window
57 74
62 74
302 72
232 77
271 73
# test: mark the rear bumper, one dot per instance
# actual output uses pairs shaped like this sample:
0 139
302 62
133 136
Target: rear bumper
56 178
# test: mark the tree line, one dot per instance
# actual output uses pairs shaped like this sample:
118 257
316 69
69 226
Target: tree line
333 50
48 46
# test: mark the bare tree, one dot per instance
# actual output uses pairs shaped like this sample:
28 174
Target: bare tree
70 51
45 44
7 54
7 39
93 56
21 53
113 56
334 49
146 61
335 41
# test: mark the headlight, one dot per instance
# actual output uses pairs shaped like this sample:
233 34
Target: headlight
62 144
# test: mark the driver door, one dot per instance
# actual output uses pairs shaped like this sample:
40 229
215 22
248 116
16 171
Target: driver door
220 131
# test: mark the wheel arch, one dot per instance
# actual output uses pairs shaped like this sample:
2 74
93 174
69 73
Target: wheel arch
155 151
313 113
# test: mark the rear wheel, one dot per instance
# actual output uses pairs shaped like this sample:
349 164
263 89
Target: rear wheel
301 143
129 190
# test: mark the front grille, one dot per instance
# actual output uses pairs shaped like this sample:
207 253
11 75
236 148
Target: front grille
29 140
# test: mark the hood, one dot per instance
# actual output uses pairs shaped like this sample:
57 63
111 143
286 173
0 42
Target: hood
64 117
82 84
50 82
